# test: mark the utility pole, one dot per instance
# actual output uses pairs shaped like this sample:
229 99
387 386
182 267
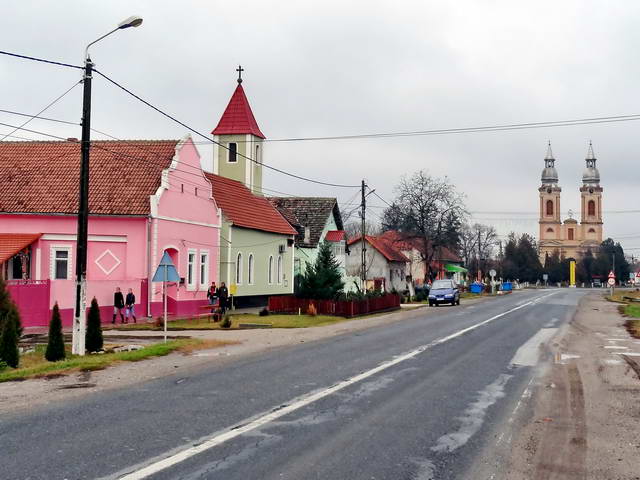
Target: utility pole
479 275
79 324
363 253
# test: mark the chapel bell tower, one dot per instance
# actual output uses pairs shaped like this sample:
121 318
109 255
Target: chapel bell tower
238 147
591 200
550 223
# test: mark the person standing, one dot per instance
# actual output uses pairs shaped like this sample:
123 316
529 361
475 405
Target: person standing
118 305
130 304
212 294
223 295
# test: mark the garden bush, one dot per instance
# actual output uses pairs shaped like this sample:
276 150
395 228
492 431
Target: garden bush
264 312
226 321
93 338
55 345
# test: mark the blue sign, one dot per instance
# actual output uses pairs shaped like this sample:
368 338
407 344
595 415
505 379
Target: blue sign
166 271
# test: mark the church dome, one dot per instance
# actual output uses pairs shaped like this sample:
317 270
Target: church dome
549 174
591 175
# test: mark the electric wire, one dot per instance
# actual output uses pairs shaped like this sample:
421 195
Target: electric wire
43 60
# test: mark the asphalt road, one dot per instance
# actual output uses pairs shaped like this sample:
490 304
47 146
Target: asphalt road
419 399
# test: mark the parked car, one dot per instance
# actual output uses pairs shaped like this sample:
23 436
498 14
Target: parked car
597 283
444 291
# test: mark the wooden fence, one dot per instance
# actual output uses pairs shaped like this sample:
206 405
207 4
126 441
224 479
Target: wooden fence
341 308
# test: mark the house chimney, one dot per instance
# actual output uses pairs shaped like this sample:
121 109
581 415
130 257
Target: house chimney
72 139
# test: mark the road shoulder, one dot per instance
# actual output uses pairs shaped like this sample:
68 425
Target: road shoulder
585 420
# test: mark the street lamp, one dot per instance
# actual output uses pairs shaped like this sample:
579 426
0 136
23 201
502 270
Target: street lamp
79 321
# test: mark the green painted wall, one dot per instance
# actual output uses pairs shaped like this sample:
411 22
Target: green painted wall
238 170
261 245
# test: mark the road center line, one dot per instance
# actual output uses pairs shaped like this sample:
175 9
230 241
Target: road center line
296 404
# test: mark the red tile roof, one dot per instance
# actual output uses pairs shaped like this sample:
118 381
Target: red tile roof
404 241
238 117
244 209
334 236
42 177
384 246
12 243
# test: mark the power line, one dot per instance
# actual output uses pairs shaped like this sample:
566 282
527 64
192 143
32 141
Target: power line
27 57
57 99
57 120
218 143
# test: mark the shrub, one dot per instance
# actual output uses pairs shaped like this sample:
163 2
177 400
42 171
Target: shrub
93 338
312 310
3 365
55 345
264 312
8 308
9 340
226 321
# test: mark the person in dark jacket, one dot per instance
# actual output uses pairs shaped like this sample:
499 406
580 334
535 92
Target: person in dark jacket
223 295
118 305
130 303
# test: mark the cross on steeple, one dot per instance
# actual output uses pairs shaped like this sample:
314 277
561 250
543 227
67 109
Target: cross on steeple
239 70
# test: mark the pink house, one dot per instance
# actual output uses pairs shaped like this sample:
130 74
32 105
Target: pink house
146 197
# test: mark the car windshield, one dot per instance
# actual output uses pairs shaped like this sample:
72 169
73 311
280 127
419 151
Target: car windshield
442 284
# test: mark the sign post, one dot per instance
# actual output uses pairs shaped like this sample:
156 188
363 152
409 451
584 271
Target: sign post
545 277
166 272
492 274
611 281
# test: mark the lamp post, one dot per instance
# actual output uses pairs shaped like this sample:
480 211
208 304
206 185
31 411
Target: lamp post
79 321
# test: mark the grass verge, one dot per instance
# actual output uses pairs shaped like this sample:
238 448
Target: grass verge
34 365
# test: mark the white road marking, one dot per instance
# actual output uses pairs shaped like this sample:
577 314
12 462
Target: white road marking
208 443
527 355
628 354
616 347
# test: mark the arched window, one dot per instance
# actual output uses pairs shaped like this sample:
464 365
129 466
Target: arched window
279 269
270 269
591 208
250 276
549 230
550 207
239 269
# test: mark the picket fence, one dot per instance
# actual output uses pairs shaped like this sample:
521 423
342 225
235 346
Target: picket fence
341 308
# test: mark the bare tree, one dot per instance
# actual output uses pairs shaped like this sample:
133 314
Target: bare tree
477 246
430 209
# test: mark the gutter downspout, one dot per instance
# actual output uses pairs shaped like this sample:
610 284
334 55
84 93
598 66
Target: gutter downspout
149 266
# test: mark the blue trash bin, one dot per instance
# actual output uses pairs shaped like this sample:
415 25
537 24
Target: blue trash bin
507 286
475 288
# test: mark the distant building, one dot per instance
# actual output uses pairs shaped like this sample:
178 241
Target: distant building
570 238
386 267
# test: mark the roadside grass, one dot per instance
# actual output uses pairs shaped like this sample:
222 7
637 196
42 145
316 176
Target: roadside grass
272 320
34 365
618 295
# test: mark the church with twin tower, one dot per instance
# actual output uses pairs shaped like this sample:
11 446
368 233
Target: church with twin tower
570 238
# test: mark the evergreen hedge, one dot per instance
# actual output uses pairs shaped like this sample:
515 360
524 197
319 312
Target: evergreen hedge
93 339
55 345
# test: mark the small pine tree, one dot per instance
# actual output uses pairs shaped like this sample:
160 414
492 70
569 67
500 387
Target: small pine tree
9 341
55 346
8 308
93 339
322 280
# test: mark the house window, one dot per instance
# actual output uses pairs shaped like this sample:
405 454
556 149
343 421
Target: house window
270 269
591 208
239 269
204 269
60 263
279 269
191 267
233 153
550 208
250 273
571 234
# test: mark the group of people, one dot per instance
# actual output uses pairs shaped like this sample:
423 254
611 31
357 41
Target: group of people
127 304
218 296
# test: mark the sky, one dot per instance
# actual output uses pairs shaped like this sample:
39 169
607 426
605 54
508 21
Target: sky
344 68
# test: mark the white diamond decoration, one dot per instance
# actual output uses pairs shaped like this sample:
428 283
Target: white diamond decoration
104 258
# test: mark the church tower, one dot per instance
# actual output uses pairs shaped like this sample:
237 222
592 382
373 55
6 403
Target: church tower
550 223
591 202
238 151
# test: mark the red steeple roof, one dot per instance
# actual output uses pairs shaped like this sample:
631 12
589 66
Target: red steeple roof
238 117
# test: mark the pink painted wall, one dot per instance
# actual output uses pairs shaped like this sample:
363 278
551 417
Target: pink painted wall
185 216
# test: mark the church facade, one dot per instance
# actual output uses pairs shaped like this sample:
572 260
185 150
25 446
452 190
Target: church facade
569 237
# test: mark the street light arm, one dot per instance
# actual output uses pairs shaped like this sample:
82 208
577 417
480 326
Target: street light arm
86 50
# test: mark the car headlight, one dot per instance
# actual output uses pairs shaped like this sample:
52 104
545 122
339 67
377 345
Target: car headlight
449 295
432 296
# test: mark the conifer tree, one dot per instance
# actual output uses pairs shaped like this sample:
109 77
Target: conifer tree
55 346
93 339
322 280
8 308
9 341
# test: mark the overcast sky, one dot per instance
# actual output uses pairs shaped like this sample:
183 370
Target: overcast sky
338 68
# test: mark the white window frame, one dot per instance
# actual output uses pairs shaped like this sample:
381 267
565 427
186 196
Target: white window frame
229 152
238 275
270 270
251 261
204 279
279 269
191 269
52 263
